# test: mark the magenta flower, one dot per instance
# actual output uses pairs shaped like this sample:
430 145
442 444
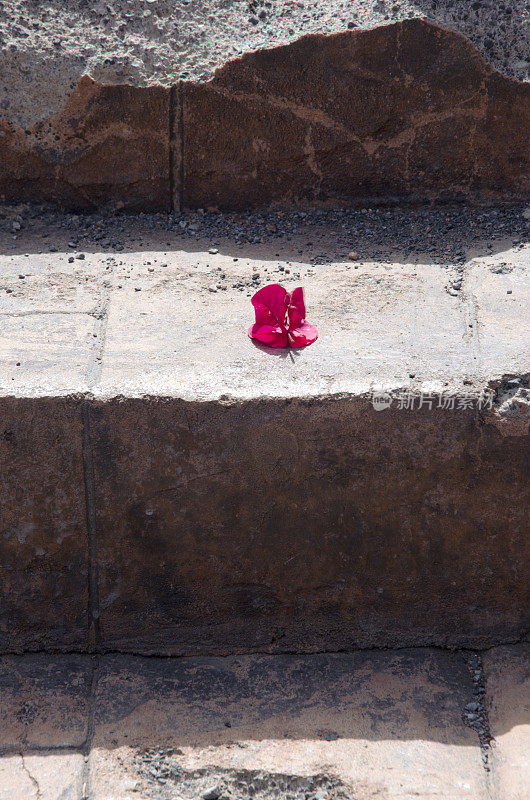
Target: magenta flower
280 318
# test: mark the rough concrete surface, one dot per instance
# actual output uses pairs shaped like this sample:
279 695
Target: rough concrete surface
42 776
507 671
323 727
436 300
44 714
344 726
240 499
407 110
48 46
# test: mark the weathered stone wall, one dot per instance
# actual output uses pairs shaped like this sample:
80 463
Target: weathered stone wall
406 111
164 526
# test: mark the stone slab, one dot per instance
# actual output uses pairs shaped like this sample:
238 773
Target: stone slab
362 725
499 289
405 110
507 672
376 327
44 701
107 147
306 525
41 776
43 537
45 354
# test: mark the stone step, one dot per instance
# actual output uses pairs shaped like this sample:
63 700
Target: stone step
168 487
357 726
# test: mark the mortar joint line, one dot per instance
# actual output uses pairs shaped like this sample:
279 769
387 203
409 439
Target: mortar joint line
91 523
181 142
87 744
171 123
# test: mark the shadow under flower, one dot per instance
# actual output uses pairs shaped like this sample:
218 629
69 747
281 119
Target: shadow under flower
280 352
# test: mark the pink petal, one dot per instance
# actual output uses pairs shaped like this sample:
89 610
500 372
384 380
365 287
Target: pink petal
270 304
296 310
271 335
302 335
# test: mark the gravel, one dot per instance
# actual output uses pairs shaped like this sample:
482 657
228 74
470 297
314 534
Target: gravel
474 714
47 45
164 778
446 235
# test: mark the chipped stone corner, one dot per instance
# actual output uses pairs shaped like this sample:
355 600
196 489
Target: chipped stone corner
511 407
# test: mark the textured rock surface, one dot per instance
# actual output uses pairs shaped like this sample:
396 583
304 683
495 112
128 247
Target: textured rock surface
507 671
43 540
347 726
47 46
44 713
360 726
44 701
109 146
243 499
306 525
407 110
42 775
404 110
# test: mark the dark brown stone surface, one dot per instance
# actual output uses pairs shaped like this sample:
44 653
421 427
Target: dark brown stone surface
109 146
407 110
43 701
306 525
43 539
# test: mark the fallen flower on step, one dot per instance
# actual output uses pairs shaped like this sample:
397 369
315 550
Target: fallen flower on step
280 318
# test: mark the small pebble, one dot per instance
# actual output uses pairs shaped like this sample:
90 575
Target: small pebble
214 793
353 256
213 251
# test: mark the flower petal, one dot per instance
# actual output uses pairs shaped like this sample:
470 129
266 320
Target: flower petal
270 305
296 310
302 335
271 335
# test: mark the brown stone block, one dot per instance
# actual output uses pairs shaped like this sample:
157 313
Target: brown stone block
306 525
109 145
43 538
407 110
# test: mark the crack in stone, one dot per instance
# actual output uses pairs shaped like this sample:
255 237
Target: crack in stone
32 778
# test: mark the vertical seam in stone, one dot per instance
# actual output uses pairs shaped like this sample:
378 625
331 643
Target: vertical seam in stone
181 135
87 744
90 506
172 92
